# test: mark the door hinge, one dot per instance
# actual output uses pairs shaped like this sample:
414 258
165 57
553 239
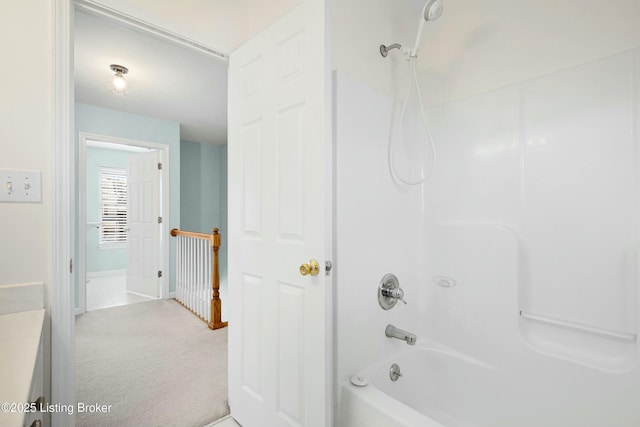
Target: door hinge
159 273
159 220
71 265
159 166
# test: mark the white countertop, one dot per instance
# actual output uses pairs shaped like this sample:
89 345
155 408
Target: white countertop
19 342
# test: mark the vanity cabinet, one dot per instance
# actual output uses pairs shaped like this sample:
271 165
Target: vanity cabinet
21 368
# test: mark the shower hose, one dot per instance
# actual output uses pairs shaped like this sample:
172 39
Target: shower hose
413 78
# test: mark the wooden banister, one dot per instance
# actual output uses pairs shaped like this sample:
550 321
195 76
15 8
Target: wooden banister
216 304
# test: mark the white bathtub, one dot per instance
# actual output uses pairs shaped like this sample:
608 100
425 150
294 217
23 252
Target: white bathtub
442 388
413 399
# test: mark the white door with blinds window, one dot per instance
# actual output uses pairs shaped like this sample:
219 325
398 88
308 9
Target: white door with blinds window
143 211
279 326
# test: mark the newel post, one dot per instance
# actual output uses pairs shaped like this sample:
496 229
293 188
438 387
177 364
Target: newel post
216 305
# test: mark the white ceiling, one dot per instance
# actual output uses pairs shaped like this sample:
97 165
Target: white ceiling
166 80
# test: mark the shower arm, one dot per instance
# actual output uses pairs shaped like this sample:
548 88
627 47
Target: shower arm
384 50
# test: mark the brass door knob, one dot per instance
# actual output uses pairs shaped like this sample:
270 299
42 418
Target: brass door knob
312 268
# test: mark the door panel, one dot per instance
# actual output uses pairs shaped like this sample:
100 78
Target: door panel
278 365
143 237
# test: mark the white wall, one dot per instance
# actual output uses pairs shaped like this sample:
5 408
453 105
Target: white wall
477 46
25 138
26 142
359 27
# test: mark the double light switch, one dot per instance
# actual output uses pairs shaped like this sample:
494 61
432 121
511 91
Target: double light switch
20 186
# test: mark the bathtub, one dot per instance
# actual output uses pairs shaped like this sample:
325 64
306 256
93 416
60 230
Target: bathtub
430 375
443 388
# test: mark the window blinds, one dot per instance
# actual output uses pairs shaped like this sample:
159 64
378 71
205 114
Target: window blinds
113 206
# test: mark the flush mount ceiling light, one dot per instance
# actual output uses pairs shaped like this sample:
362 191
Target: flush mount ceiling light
118 84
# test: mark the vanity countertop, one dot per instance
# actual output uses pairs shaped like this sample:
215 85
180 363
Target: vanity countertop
19 342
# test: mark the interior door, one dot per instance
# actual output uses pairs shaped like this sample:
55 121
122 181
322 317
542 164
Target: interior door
279 333
143 211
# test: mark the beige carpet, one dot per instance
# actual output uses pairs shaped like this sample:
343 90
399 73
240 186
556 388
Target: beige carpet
155 363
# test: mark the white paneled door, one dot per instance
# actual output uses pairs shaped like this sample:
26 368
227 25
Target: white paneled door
279 329
143 235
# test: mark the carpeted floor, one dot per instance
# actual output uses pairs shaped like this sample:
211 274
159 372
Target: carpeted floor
155 363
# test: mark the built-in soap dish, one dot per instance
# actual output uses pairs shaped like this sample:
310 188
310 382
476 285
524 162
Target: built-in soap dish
444 281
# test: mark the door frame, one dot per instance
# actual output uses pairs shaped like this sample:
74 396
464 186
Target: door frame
163 151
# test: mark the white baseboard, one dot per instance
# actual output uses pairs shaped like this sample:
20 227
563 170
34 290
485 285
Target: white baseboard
107 273
141 295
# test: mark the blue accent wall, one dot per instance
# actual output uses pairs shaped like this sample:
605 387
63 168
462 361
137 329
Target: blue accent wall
104 121
203 203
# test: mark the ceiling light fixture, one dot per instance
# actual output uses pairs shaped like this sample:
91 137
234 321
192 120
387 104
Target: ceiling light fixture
118 84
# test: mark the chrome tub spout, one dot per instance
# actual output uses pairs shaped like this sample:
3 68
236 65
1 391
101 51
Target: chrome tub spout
393 332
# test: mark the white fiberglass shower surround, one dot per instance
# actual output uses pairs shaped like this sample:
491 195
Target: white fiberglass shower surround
518 254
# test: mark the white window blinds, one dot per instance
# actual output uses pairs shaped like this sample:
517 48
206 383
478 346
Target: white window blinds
113 206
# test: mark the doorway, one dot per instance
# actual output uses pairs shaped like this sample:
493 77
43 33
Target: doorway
66 265
123 217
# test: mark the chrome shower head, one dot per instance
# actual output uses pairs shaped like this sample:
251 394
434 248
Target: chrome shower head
433 10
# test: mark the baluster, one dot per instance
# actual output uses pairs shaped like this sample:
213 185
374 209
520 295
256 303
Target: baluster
209 280
199 266
182 267
188 266
203 267
178 266
192 277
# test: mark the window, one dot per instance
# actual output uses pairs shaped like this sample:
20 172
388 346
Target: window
113 207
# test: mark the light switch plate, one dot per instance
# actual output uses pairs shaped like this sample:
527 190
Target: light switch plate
20 186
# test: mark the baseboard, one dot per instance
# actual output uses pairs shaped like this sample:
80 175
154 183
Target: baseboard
107 273
230 421
172 295
141 295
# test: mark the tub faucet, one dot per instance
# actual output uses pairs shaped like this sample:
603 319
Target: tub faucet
393 332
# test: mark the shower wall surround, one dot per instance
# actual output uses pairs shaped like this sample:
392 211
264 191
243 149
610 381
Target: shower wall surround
532 209
379 229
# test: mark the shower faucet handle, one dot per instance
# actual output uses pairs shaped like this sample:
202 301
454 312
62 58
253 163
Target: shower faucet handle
396 293
390 292
399 294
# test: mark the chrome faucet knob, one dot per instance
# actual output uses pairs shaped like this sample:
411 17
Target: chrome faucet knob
389 292
398 294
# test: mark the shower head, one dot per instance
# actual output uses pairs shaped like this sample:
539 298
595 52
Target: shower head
433 10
